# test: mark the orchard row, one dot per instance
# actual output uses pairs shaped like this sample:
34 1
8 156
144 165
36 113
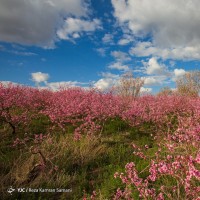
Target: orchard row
175 121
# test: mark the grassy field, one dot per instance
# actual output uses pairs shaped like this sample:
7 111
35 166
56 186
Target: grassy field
82 166
77 144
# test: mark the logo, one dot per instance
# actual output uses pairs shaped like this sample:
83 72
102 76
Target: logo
10 190
21 189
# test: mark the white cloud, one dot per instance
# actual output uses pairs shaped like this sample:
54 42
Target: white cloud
54 86
107 38
145 90
111 80
101 51
157 80
16 50
151 81
158 74
39 77
118 66
144 49
174 26
153 67
109 75
120 56
75 35
74 27
125 40
179 72
35 22
104 84
7 83
107 81
63 84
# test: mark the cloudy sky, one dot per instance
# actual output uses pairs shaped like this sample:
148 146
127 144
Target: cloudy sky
49 43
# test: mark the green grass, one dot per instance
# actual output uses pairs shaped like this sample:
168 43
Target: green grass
84 165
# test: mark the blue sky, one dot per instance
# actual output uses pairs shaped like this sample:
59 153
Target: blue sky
49 43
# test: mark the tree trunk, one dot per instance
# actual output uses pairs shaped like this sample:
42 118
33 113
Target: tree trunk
13 128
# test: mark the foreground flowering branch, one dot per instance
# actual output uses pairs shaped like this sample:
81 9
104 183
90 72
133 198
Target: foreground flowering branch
176 164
